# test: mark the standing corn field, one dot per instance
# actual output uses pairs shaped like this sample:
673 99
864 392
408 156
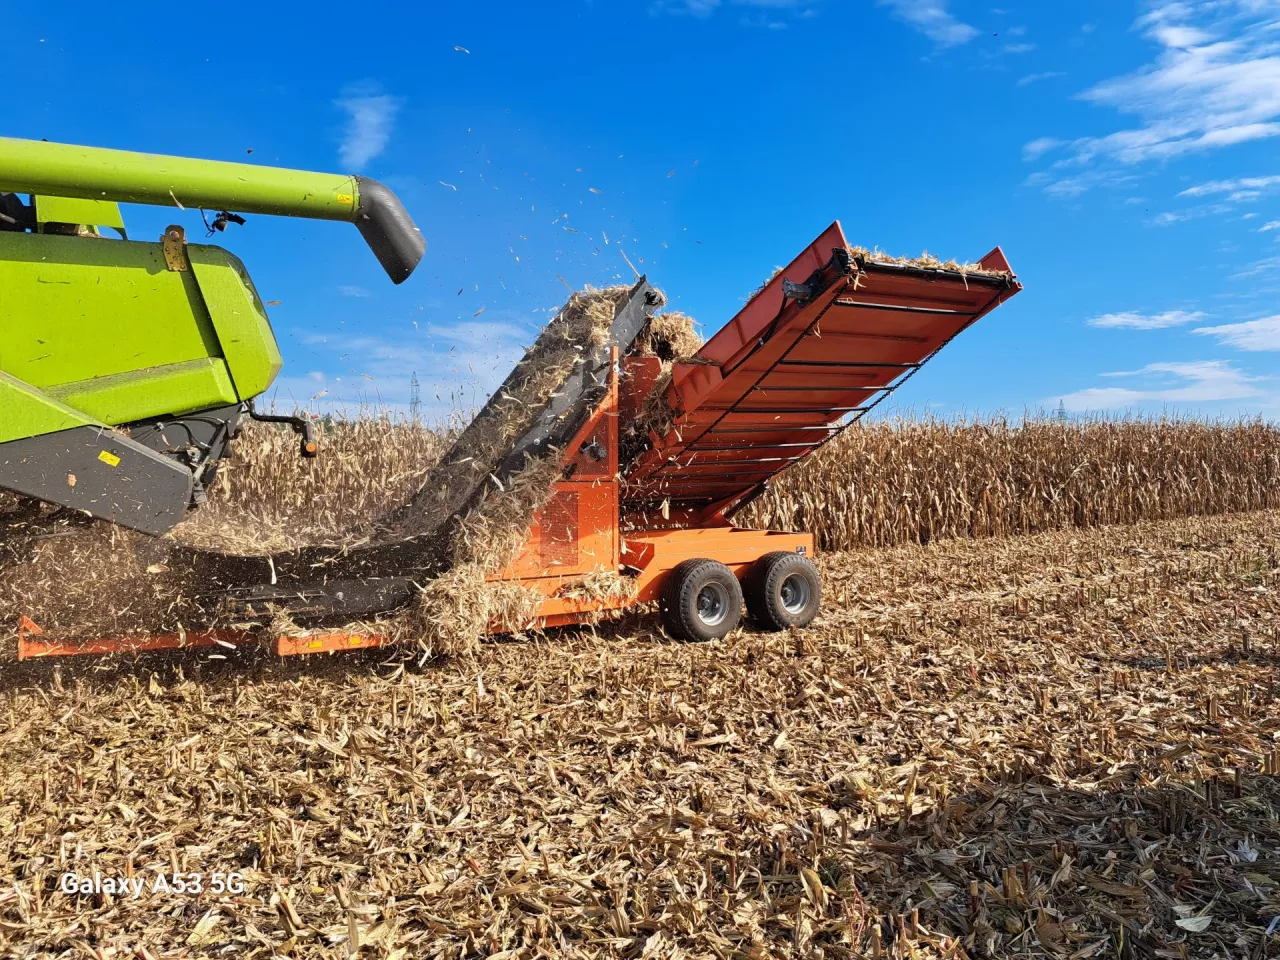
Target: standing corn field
914 481
905 481
266 498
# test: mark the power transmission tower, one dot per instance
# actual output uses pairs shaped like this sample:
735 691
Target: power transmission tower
415 400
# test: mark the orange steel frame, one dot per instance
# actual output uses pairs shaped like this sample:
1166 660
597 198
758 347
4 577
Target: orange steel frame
32 645
576 534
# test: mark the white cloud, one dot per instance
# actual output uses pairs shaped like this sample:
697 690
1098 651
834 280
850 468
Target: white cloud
1070 187
1180 37
1235 191
762 22
1019 47
1268 227
932 18
1192 213
457 364
1196 382
1074 186
348 290
1041 146
1253 335
705 8
1035 78
370 116
1146 321
1213 82
699 8
1248 187
1258 268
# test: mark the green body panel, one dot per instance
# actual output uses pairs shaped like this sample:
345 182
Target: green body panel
92 173
29 413
239 319
104 328
93 213
152 392
75 308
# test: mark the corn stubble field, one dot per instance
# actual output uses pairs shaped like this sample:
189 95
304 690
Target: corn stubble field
1038 717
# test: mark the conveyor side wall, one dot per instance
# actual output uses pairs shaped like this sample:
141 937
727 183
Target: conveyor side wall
817 348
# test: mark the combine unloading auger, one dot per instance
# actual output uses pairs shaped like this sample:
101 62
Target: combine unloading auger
58 171
649 464
126 367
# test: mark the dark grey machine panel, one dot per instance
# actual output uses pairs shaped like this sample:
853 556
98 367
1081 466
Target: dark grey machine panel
102 473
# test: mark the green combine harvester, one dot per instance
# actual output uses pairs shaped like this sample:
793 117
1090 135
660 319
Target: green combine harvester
127 367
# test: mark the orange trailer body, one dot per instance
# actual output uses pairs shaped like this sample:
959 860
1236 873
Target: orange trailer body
579 531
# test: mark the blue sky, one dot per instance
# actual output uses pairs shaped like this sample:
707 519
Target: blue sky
1124 154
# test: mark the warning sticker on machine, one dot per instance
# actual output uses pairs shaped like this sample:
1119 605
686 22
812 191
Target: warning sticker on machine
109 458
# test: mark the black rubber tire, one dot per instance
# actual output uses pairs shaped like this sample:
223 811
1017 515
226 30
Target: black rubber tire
765 594
680 606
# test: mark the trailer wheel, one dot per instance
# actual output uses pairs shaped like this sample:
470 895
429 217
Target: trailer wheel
701 601
783 590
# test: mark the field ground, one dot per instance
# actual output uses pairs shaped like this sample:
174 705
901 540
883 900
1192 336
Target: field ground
1057 745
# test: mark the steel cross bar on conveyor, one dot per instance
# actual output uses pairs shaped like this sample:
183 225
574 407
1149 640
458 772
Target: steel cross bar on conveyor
900 308
859 411
852 364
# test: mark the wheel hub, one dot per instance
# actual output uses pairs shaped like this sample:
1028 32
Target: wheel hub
795 594
713 604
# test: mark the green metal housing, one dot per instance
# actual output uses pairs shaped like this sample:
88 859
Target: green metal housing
100 331
103 340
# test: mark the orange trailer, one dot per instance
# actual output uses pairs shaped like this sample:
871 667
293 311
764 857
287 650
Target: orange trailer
817 348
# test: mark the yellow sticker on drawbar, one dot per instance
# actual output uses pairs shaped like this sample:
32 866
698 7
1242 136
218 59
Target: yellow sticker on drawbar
344 198
110 459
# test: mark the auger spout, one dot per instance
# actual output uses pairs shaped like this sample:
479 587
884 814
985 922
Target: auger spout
94 173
